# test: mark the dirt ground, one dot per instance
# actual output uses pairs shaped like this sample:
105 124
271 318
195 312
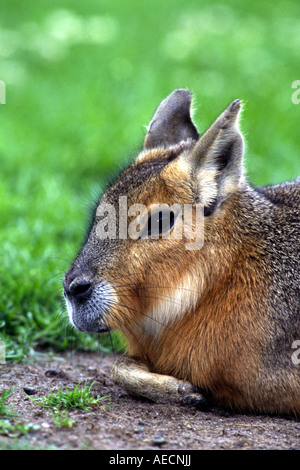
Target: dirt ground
130 422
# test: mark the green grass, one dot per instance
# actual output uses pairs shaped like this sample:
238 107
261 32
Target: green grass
5 410
10 425
82 81
61 419
15 429
80 397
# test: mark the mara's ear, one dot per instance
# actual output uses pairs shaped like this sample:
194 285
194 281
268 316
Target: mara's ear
172 122
216 160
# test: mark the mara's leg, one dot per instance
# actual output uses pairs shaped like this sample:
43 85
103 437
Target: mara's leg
136 379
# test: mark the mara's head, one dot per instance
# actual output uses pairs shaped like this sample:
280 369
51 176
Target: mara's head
151 248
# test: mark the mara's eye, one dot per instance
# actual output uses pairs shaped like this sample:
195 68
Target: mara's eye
159 223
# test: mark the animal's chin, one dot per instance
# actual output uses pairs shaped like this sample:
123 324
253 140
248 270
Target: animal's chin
84 320
90 328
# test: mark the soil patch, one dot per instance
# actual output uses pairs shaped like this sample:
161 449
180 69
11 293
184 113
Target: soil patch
129 422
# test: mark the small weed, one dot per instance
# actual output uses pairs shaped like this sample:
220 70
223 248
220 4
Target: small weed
5 410
62 419
79 397
7 428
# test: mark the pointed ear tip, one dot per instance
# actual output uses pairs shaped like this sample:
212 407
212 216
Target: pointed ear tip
234 109
235 106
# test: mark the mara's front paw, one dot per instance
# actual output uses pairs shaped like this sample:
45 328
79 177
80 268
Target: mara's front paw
136 379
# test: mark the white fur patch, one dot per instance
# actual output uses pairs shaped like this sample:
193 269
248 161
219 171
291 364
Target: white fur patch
69 310
172 305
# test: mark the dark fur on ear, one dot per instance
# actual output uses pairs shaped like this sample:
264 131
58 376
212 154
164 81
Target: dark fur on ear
172 122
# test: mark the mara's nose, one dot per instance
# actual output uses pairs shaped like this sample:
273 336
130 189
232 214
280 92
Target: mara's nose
79 288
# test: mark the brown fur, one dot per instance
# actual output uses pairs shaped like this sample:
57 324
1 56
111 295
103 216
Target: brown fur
223 317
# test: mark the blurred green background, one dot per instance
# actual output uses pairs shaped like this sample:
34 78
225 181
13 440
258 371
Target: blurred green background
82 81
